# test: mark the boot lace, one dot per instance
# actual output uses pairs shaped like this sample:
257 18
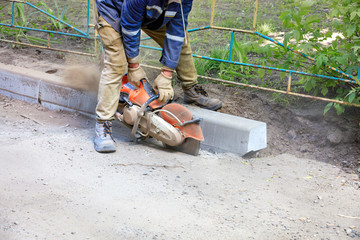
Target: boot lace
107 129
199 89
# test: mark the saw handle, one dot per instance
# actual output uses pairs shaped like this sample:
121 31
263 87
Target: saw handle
140 114
147 103
194 120
126 99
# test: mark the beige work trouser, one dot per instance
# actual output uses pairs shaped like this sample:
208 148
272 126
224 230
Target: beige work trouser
115 64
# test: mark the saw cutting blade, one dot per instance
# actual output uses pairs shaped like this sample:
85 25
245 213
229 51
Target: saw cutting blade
190 146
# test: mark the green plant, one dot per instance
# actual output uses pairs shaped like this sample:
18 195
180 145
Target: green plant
205 67
55 24
22 20
239 54
307 35
2 29
266 28
201 66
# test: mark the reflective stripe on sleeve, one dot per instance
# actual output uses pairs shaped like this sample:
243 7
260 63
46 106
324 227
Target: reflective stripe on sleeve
157 8
175 38
130 33
170 13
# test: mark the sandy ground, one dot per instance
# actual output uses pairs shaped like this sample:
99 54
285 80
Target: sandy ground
53 185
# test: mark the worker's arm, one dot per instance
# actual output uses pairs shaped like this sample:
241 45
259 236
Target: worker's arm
132 15
175 35
173 42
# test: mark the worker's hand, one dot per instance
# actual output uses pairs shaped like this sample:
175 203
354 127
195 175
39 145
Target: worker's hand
162 86
135 74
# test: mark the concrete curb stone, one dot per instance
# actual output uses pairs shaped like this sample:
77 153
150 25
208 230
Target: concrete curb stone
222 132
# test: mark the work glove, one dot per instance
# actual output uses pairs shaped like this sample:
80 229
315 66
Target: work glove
162 85
135 75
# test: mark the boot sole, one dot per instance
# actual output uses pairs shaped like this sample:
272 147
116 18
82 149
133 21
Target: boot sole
105 149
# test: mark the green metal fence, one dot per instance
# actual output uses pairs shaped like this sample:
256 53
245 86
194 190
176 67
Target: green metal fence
86 34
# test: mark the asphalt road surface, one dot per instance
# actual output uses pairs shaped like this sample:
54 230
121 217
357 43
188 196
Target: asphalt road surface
53 185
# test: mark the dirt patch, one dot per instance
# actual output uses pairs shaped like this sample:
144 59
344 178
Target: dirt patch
298 128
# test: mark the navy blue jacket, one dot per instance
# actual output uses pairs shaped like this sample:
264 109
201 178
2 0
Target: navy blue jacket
128 16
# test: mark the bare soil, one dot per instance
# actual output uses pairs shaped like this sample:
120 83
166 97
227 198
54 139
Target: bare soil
299 127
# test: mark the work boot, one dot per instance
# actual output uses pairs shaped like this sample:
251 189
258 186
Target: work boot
198 95
104 142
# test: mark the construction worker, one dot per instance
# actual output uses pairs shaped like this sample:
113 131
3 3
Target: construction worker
119 25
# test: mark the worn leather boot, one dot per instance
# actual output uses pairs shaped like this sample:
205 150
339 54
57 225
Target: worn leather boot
104 142
198 96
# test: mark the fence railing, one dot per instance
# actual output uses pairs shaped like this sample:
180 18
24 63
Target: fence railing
86 34
78 33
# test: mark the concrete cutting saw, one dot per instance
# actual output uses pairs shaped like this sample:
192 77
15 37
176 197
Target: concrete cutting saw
171 123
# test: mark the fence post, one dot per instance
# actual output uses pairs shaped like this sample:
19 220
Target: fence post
289 83
12 13
231 45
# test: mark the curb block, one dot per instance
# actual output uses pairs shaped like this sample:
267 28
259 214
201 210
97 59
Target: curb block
222 132
46 89
227 133
18 86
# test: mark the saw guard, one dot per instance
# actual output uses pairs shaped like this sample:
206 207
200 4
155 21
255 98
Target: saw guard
191 130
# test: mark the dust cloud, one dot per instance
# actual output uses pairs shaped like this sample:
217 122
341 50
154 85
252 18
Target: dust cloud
82 77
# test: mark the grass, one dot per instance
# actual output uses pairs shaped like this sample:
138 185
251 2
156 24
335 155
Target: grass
22 20
247 48
232 14
213 43
58 13
206 67
266 28
27 16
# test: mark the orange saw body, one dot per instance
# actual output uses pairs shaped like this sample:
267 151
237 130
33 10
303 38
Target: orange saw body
170 123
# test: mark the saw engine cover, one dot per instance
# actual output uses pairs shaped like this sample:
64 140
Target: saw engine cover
139 95
173 113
